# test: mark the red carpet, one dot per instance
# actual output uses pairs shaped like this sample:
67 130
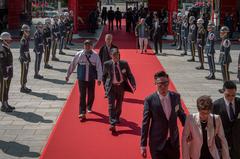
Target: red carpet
71 139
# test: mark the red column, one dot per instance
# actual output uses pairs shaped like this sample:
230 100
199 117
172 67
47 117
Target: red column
172 7
15 7
81 8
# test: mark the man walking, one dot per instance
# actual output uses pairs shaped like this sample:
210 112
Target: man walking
89 69
161 110
142 33
228 107
116 74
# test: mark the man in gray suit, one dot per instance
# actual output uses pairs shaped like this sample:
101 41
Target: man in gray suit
116 74
161 110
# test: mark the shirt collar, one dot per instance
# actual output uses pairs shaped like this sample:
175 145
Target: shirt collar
227 102
161 96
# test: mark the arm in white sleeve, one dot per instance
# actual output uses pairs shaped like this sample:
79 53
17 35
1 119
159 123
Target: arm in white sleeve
73 64
99 69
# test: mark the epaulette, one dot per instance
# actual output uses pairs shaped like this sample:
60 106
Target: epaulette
211 36
226 43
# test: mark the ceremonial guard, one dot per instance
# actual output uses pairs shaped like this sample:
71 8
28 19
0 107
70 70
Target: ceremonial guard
56 38
47 37
72 26
68 29
192 37
178 30
38 49
62 29
174 28
225 57
24 58
210 51
200 42
184 34
6 70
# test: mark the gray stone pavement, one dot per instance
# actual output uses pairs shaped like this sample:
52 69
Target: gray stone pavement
190 82
24 133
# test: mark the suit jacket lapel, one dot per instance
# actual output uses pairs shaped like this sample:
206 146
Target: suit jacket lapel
198 122
224 109
160 105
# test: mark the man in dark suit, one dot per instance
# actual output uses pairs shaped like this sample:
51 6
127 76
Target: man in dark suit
116 78
104 52
157 34
118 17
228 108
161 110
110 16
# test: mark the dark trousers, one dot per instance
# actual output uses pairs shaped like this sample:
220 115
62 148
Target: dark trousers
200 54
211 63
47 49
110 24
185 42
115 99
24 73
225 72
192 48
128 26
86 88
179 41
38 62
67 38
119 24
70 36
157 42
54 47
238 76
168 152
61 43
5 84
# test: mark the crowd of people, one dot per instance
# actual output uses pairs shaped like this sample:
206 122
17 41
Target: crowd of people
212 133
47 38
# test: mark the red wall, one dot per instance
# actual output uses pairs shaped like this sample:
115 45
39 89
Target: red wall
81 8
15 7
170 5
228 6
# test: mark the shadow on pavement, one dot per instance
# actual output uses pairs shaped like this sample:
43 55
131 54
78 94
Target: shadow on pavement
30 117
56 81
46 96
16 149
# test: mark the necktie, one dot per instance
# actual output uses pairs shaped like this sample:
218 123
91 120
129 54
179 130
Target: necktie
117 73
232 115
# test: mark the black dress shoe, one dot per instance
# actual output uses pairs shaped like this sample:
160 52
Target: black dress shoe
25 90
62 53
183 54
191 60
200 68
11 107
210 77
55 59
48 66
6 109
38 77
112 128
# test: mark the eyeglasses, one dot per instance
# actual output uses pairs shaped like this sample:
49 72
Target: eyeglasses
230 95
165 83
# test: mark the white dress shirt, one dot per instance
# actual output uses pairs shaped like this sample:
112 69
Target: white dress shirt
166 105
114 74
